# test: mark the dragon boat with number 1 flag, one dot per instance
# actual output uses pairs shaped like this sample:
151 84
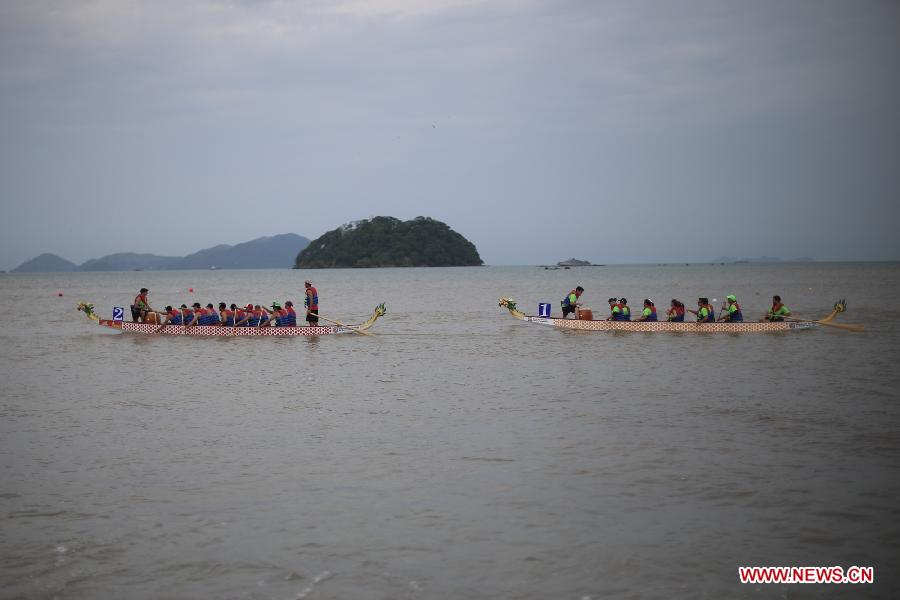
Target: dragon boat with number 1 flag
229 331
589 324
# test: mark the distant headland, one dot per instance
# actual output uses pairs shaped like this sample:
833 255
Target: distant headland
273 252
389 242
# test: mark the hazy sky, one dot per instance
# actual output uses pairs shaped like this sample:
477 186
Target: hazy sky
541 130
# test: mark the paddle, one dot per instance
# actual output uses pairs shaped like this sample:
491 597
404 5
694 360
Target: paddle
856 328
354 330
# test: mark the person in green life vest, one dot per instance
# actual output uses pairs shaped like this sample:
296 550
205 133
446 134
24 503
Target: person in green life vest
704 312
614 310
140 306
570 302
778 311
732 312
618 310
649 312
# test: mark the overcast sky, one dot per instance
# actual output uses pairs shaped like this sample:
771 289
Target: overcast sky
540 130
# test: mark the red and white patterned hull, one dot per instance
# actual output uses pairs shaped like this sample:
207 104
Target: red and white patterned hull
220 331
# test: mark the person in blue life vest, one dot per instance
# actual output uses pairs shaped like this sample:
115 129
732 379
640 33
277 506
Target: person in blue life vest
614 310
291 316
704 312
283 316
175 316
210 316
311 303
675 313
193 318
570 302
618 310
626 310
649 312
732 311
242 315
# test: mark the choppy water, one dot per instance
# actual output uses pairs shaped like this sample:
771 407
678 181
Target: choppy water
458 453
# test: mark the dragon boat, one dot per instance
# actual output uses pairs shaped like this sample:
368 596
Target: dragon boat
222 331
589 324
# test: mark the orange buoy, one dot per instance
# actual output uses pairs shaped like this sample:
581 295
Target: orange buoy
191 290
60 294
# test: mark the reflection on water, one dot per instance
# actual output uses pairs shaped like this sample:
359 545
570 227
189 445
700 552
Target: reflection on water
457 452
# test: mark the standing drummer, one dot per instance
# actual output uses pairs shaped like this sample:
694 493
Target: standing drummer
140 306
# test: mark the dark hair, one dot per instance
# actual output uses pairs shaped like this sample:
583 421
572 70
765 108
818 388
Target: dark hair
144 290
648 301
624 301
222 305
777 298
233 306
168 308
209 305
704 300
579 289
612 300
288 303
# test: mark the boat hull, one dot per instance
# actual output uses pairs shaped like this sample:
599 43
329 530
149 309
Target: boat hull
221 331
683 327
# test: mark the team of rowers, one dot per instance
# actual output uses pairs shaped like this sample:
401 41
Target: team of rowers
705 313
251 315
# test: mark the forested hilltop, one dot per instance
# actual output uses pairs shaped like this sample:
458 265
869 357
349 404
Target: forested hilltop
390 242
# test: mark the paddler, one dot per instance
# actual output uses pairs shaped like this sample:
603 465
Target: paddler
278 315
210 317
173 316
704 312
195 316
311 302
570 302
626 311
778 311
242 315
675 313
732 312
140 306
614 310
649 312
618 310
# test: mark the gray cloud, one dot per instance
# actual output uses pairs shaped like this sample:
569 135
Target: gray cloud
616 131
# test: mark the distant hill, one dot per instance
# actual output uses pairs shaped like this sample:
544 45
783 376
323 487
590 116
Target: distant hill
129 261
273 252
46 263
390 242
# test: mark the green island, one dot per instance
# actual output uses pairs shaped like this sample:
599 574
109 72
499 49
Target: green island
389 242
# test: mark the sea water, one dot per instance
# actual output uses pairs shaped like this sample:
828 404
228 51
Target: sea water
455 453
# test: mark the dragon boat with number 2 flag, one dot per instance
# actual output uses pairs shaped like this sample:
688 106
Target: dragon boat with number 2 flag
230 331
589 324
